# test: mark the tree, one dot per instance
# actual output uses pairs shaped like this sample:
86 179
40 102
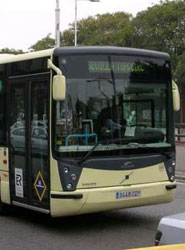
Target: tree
11 51
179 72
45 43
67 37
106 29
162 27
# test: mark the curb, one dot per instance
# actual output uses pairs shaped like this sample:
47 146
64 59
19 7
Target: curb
180 177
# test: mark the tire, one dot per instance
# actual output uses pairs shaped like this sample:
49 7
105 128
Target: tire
2 208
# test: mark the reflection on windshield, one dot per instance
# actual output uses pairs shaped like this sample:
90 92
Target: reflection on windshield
96 110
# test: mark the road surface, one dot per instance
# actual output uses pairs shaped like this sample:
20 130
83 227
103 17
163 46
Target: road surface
122 229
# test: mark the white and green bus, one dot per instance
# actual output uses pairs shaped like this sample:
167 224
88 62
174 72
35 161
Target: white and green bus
86 129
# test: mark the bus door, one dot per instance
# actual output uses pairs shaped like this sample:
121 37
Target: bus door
28 140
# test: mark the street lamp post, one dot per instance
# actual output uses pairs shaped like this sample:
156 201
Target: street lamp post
57 24
76 18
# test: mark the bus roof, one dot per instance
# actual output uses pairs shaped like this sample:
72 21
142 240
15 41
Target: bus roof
111 50
84 50
5 55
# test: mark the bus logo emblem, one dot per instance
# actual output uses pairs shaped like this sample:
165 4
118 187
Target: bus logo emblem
40 186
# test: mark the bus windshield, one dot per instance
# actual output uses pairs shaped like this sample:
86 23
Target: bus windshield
114 101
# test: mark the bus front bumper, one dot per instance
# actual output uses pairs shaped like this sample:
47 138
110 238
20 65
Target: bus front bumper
101 199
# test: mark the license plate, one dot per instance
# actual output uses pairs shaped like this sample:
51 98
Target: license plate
128 194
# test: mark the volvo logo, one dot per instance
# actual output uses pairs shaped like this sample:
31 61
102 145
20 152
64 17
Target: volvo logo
126 177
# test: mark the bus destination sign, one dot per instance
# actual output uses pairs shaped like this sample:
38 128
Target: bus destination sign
116 67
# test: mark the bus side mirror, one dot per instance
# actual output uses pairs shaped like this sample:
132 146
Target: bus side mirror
59 87
176 97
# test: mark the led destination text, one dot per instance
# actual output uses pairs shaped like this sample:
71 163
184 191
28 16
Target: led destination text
117 67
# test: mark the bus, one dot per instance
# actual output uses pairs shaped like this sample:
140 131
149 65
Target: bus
86 129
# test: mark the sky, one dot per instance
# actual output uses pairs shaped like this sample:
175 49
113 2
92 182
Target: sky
24 22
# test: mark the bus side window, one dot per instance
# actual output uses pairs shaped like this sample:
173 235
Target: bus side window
2 116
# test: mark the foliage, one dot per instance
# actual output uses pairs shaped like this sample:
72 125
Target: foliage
161 27
45 43
11 51
179 72
106 29
67 38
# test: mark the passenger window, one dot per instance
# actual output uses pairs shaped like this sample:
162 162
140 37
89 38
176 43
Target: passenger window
2 115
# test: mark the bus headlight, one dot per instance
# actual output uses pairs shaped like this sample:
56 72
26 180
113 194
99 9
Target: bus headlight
73 177
66 170
173 163
69 186
170 169
172 178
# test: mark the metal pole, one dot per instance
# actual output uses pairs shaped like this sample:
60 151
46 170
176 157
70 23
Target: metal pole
57 24
75 23
76 31
57 41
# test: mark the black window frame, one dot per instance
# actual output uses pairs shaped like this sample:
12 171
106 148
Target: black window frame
115 52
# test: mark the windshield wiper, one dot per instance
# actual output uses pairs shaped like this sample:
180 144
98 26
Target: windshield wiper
126 141
109 141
